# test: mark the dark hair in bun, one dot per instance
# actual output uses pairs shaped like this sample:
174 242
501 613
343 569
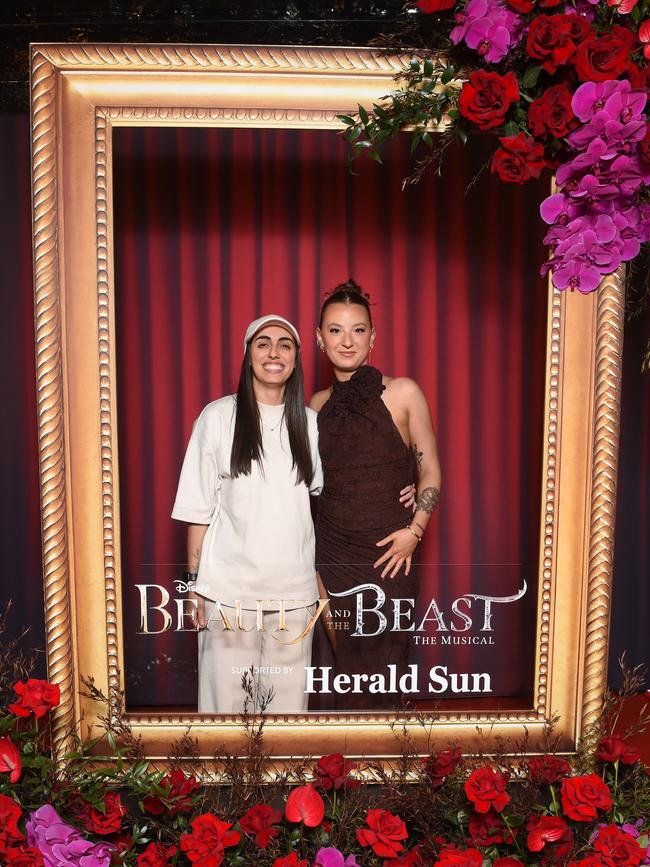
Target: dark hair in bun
346 293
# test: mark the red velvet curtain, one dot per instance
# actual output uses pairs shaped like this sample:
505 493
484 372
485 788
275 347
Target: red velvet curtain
214 227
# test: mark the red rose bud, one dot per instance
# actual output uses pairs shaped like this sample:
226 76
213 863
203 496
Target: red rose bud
543 830
440 765
452 857
549 40
209 837
178 795
615 749
25 856
35 696
582 797
486 98
304 804
429 6
604 57
10 814
259 821
156 855
484 829
10 761
384 833
617 849
551 114
519 159
486 788
108 820
332 771
290 860
548 769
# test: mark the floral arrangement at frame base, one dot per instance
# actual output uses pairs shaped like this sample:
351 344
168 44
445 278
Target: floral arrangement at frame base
506 811
562 85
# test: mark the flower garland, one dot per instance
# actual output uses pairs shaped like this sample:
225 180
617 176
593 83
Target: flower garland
562 83
461 812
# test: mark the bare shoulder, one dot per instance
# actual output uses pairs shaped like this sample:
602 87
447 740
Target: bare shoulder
401 388
319 399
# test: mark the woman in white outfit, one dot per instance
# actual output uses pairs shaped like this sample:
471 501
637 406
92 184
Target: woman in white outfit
250 466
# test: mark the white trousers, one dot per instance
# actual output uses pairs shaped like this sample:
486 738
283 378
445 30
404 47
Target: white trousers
273 669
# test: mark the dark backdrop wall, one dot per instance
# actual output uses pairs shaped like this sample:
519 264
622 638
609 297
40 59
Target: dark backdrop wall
20 524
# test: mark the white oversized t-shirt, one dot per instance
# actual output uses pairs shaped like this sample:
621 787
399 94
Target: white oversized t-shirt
260 540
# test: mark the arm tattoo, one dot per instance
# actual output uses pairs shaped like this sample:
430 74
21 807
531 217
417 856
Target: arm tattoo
417 456
427 500
195 559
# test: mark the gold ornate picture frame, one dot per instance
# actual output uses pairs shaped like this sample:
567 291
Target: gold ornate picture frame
79 93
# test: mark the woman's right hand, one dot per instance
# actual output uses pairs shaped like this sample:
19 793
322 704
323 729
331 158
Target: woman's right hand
199 619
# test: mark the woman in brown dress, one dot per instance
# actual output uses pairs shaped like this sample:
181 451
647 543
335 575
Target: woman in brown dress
375 439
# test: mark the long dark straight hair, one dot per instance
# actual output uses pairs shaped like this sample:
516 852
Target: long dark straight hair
247 439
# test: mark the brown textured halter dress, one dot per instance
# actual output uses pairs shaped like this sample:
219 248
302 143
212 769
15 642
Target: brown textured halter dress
366 464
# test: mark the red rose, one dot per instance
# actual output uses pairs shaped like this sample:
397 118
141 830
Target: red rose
35 696
26 856
290 860
549 40
384 833
548 769
332 773
10 761
156 855
487 828
521 6
486 98
615 749
406 859
644 146
486 788
460 857
428 6
518 159
589 861
551 113
509 861
10 813
617 849
209 837
543 830
304 804
440 765
578 28
177 795
259 822
600 58
582 797
108 820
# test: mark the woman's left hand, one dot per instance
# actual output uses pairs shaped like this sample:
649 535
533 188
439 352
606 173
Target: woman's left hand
402 545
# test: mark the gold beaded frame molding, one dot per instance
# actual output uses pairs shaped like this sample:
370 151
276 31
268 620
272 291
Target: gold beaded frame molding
78 93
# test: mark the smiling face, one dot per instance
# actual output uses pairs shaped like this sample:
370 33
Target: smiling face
272 356
346 335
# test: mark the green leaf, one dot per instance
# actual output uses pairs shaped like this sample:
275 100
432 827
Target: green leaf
428 68
453 114
530 76
414 65
363 114
511 128
447 74
375 156
354 133
346 119
461 133
426 138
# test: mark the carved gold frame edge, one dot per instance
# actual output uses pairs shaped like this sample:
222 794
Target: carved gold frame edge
46 62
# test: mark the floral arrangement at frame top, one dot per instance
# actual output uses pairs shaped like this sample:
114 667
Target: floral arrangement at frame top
562 84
